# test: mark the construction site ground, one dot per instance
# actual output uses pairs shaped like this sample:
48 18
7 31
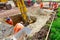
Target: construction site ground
42 18
41 14
6 13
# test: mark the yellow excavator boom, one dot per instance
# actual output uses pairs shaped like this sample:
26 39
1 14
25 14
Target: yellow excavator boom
21 5
3 1
23 9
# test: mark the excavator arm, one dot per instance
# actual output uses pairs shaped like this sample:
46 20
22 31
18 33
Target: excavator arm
21 5
3 1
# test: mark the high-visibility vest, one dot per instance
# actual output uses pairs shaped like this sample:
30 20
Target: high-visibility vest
55 6
18 27
41 5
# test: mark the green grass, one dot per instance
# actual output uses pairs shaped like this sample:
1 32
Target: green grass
55 30
58 14
59 9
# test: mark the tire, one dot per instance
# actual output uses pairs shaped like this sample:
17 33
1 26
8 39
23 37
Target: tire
8 6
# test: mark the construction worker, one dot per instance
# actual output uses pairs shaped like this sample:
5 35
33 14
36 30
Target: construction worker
9 21
29 2
41 5
18 27
55 6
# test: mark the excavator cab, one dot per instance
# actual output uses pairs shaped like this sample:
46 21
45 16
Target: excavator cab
4 4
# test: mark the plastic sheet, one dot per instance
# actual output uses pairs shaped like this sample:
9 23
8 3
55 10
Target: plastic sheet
19 34
5 30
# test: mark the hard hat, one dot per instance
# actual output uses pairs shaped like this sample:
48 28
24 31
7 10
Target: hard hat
8 18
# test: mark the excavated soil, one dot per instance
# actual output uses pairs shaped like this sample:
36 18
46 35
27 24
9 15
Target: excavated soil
16 19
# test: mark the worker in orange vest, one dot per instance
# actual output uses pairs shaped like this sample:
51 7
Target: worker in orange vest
55 5
18 27
41 5
9 21
29 2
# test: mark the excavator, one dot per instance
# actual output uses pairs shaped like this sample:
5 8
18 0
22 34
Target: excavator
21 6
